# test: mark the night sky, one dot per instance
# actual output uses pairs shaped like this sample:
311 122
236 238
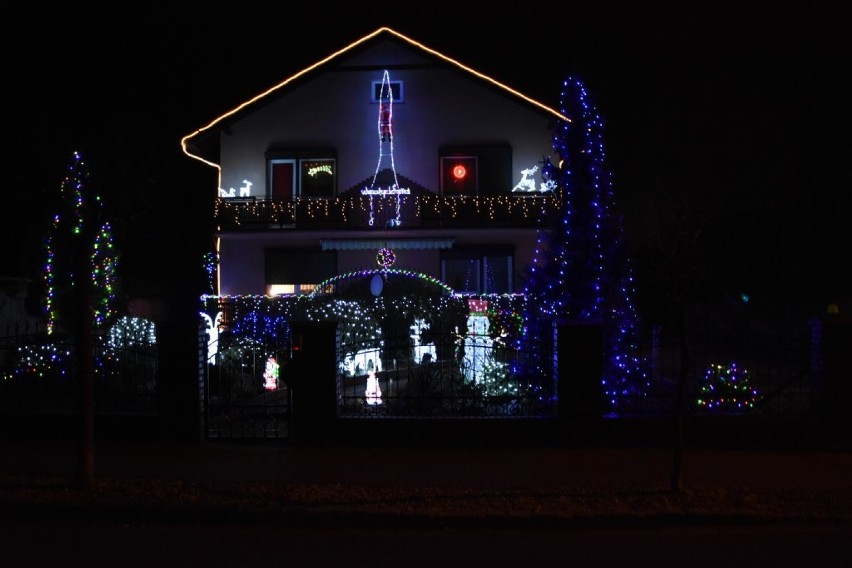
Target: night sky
750 107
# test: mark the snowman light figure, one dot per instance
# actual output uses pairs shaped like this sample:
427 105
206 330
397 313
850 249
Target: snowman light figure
374 391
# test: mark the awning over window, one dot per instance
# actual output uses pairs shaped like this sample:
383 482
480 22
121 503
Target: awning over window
398 244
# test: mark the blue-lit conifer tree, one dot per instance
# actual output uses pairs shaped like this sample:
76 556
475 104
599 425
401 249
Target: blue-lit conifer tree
581 270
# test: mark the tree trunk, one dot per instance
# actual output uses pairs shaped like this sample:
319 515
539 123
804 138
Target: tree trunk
680 395
83 350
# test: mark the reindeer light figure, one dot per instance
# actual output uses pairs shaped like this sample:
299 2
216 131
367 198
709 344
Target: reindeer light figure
420 351
213 335
245 190
527 183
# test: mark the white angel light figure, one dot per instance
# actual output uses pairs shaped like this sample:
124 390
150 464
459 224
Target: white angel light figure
373 392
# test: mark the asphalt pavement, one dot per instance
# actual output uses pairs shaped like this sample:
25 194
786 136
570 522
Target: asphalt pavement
276 482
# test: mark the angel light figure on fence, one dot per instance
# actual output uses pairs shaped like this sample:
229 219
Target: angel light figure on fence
374 391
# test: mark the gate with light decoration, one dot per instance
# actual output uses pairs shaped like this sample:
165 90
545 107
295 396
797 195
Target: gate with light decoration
245 394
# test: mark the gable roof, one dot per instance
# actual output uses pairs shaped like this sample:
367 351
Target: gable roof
383 31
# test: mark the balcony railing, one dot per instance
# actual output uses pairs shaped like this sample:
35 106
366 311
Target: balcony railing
361 212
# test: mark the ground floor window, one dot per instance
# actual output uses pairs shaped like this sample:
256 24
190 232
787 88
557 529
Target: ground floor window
478 271
289 289
297 271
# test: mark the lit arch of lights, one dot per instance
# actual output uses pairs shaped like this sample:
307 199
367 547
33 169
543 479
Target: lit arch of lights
327 287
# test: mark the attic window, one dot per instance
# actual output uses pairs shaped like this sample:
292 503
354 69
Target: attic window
396 90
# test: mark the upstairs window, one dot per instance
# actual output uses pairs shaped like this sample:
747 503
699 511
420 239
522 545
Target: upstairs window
395 89
295 174
476 170
318 177
282 178
459 176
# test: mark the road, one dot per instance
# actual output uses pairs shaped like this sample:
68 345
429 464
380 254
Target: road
50 543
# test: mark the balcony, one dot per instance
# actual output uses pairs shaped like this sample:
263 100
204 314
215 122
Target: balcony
425 210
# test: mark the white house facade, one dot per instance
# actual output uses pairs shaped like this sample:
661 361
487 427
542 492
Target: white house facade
387 145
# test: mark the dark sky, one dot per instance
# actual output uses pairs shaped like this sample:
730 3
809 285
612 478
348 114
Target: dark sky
752 105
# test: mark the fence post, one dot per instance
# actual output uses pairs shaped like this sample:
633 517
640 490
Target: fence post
578 359
837 375
203 342
177 377
312 374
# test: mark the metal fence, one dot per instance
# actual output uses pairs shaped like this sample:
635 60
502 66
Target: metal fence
730 372
478 376
472 377
245 395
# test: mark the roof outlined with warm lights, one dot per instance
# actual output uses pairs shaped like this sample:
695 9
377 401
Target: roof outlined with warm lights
382 32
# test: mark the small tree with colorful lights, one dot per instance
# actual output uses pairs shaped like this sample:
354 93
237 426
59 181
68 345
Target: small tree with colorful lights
79 277
726 388
80 255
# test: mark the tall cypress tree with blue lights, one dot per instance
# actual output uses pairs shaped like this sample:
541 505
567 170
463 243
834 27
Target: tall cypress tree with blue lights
581 270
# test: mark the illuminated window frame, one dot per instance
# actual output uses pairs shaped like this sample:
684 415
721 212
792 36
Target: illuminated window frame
470 187
298 160
304 176
479 281
396 87
289 289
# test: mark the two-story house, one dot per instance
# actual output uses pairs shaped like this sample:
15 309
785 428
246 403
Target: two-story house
384 163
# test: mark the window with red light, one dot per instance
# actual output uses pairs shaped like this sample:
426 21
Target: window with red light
459 175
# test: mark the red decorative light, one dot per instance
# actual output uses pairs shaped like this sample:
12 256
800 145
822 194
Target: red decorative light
459 171
476 306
